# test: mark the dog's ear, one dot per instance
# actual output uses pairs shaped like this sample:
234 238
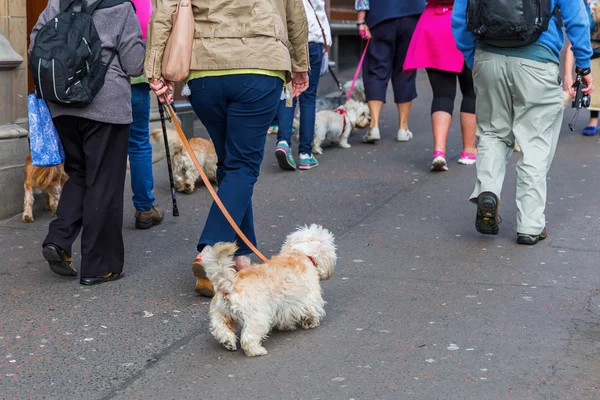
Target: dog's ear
308 248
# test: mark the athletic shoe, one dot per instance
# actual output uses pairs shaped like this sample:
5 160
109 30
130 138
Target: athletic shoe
308 161
439 161
404 135
467 158
372 135
487 219
283 153
530 240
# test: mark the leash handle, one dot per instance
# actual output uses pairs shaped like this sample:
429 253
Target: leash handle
211 190
358 68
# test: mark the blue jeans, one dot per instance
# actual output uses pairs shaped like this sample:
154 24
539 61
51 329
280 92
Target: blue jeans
140 149
236 111
308 105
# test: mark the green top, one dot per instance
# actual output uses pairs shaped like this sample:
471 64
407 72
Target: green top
139 79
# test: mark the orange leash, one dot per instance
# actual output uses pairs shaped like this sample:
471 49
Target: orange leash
211 190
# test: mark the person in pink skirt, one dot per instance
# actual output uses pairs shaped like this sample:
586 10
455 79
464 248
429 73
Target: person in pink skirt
433 47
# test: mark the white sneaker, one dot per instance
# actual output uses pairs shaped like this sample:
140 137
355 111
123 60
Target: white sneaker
372 135
404 135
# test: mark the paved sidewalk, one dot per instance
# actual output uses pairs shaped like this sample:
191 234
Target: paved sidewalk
420 305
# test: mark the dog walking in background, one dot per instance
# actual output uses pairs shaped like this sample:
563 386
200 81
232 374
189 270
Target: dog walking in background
49 180
337 125
281 294
185 174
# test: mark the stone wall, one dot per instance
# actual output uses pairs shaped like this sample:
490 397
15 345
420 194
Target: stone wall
13 104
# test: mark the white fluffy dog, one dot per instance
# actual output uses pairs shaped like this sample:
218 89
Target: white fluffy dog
185 174
281 294
336 126
331 102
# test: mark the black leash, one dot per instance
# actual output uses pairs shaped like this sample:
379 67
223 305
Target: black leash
337 81
161 111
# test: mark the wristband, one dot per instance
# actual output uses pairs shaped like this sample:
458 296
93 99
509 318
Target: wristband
359 24
583 71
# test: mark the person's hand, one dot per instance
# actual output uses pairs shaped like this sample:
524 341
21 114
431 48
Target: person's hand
589 81
364 32
299 83
568 85
164 90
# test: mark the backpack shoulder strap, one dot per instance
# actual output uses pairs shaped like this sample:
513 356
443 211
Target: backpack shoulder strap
100 4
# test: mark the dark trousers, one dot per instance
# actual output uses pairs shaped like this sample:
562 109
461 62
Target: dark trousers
385 59
443 85
308 105
236 111
92 198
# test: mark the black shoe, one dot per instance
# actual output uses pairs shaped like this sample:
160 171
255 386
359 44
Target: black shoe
59 261
111 276
487 219
530 240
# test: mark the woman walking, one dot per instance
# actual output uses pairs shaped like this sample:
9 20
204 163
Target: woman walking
433 48
239 66
95 139
319 36
389 24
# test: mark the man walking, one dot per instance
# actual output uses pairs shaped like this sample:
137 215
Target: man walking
519 96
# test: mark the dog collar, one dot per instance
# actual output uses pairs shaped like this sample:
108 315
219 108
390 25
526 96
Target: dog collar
343 113
312 260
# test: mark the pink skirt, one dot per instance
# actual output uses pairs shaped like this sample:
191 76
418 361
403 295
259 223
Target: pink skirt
432 44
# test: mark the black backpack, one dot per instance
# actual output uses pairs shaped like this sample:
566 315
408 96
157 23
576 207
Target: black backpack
509 23
66 58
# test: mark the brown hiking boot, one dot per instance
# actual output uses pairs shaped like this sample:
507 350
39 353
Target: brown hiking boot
203 286
147 219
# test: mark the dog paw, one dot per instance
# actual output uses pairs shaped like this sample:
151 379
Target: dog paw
318 151
345 145
309 323
27 218
229 345
255 351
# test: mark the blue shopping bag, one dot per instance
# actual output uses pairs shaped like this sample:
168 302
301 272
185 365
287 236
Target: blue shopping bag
44 142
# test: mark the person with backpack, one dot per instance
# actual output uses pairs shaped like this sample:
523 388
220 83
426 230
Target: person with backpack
519 97
81 57
243 55
388 25
319 39
147 213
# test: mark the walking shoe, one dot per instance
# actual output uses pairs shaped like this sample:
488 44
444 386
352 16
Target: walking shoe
487 219
111 276
147 219
308 161
203 285
467 158
404 135
372 135
530 240
59 261
439 161
283 153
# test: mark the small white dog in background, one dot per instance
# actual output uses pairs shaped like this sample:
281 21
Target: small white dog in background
337 125
332 102
281 294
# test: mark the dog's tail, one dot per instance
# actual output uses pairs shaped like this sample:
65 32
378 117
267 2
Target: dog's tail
220 267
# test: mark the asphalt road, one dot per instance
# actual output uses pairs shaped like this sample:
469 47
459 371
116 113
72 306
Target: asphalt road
420 305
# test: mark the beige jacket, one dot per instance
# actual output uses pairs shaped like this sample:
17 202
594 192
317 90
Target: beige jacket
236 34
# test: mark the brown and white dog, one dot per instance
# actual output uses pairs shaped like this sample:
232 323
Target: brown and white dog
185 175
281 294
49 180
